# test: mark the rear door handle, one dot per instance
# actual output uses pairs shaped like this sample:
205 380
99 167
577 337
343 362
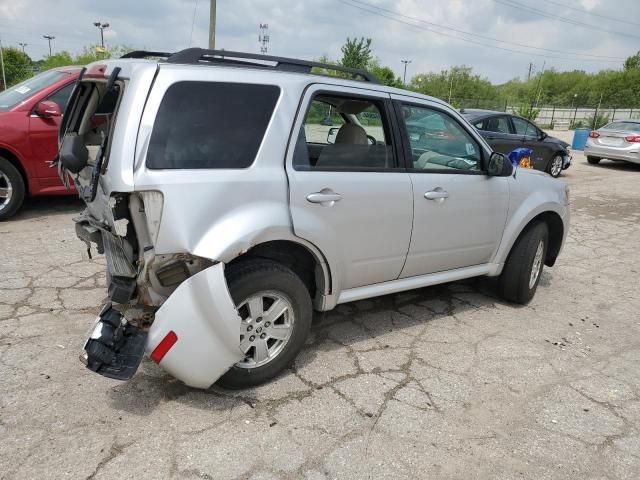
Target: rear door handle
324 196
436 195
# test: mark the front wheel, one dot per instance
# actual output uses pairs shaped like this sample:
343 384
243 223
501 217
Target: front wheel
12 189
593 160
523 268
555 166
275 310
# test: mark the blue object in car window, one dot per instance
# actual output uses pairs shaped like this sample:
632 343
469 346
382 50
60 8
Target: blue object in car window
518 154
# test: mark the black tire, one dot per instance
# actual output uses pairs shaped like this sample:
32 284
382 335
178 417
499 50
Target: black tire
593 160
556 159
250 277
10 173
514 283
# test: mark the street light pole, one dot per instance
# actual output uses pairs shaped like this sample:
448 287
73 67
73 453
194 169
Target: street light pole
101 26
49 37
22 45
404 77
212 25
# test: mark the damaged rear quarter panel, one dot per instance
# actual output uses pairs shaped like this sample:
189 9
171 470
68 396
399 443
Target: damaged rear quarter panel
220 213
203 316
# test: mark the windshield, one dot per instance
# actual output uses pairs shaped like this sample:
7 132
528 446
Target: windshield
22 91
624 126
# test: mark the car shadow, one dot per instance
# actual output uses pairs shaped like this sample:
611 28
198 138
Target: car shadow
44 206
613 165
151 386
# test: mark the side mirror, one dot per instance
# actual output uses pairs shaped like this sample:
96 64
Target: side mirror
331 136
48 109
543 135
499 166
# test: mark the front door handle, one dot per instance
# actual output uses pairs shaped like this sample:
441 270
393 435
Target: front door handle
324 196
436 195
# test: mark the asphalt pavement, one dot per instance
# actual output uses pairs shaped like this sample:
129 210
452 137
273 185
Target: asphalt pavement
442 382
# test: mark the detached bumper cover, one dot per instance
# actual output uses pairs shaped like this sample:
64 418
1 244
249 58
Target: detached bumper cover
203 316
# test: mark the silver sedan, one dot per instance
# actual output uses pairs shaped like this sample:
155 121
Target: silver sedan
619 140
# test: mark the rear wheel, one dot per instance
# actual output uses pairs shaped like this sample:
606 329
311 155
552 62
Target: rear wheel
593 160
523 268
555 166
275 308
11 189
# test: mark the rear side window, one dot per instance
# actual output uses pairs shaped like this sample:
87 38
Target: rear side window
210 125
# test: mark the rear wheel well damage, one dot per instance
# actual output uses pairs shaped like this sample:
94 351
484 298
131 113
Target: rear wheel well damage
15 161
294 256
556 233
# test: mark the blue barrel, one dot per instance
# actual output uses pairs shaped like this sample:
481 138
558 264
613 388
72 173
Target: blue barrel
580 138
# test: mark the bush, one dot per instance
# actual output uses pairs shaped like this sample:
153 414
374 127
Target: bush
596 121
527 111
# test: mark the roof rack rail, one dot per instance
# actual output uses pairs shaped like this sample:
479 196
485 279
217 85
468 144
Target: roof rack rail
198 55
145 54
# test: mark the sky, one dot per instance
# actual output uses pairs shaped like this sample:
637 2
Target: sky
498 38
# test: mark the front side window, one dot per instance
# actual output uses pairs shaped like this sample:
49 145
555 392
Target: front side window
438 142
210 125
524 128
344 133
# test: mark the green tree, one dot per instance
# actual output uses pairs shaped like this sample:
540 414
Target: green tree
385 74
356 53
633 62
59 59
17 66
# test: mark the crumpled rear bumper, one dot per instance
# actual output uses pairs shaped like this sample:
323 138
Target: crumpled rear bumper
195 335
204 319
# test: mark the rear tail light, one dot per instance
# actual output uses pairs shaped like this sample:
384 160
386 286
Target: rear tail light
164 346
594 134
633 138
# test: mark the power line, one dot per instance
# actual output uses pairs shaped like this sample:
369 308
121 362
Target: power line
370 9
564 52
587 12
571 21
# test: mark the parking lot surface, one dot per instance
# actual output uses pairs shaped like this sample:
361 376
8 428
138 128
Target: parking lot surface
442 382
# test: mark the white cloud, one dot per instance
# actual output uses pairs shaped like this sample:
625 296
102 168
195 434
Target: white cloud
309 29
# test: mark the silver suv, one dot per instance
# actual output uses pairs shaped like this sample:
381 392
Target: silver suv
233 194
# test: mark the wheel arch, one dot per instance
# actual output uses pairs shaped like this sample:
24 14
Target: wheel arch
13 158
304 260
554 215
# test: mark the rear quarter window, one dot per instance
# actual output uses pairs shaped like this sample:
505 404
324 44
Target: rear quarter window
210 125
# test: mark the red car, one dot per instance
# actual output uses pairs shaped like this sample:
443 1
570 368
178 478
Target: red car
30 115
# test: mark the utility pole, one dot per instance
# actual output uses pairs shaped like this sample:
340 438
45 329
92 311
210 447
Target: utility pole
404 77
22 45
49 37
530 69
212 25
263 38
450 86
4 79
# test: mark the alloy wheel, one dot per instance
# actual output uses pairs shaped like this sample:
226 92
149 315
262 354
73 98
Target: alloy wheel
266 327
556 165
537 265
6 190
